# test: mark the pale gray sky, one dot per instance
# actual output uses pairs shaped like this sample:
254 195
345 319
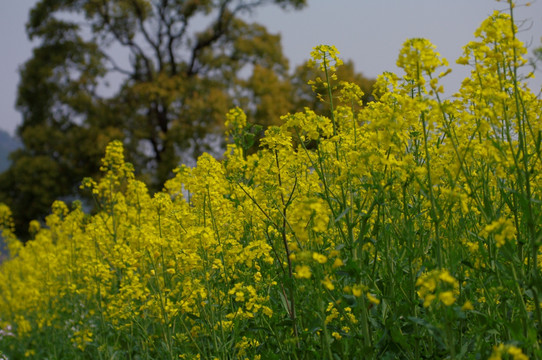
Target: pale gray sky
370 32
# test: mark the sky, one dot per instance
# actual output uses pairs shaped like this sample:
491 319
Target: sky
369 32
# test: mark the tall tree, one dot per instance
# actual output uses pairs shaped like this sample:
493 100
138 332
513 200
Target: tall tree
157 74
174 66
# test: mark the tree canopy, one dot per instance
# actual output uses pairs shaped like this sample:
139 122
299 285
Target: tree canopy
157 74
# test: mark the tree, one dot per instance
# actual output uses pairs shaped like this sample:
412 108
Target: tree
182 61
157 74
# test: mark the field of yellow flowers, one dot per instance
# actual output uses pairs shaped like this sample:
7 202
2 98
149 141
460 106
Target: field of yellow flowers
406 228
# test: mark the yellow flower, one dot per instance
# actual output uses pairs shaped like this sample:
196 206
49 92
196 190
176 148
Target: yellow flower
275 137
236 119
447 298
373 299
428 300
418 58
324 54
502 230
322 259
302 272
437 283
337 263
446 277
29 353
357 290
328 283
467 306
34 227
502 349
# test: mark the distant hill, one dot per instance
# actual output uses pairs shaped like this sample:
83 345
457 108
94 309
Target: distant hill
7 145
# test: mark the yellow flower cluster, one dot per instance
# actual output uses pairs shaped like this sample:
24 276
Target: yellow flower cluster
502 229
514 352
236 120
328 240
437 284
418 59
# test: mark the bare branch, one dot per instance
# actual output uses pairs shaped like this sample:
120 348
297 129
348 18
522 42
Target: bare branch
115 66
153 44
220 27
170 35
127 42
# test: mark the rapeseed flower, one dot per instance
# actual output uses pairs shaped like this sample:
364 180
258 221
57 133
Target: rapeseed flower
322 259
502 349
406 201
437 284
302 272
